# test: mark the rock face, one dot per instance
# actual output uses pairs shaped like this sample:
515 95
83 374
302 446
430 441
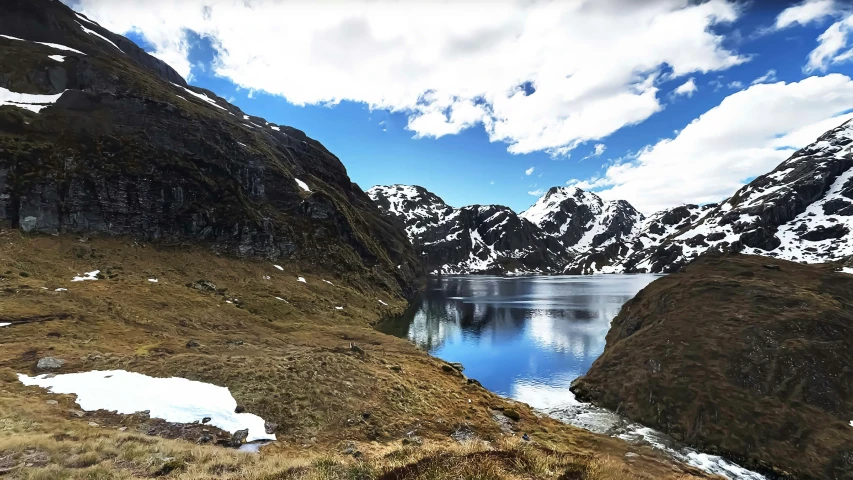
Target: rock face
472 239
111 140
740 356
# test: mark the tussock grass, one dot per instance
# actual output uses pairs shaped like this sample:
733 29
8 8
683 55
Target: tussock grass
287 362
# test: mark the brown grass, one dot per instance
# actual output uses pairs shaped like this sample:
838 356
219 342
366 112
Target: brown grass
288 362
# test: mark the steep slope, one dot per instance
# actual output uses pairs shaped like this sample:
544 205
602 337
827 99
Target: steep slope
741 356
582 220
471 239
100 137
801 211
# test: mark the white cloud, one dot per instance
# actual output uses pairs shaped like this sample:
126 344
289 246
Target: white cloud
687 89
445 64
805 13
536 193
599 149
768 77
735 85
529 171
831 46
748 134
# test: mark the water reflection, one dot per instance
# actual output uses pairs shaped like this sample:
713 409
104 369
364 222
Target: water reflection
523 337
528 338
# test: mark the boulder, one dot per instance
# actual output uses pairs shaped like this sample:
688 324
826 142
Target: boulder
49 364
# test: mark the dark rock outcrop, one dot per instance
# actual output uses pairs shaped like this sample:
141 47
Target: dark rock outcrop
130 149
740 358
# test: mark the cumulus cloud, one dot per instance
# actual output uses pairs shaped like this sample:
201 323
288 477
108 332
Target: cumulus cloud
536 193
805 13
529 171
687 88
539 76
747 134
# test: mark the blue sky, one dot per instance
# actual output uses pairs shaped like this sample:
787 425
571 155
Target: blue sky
473 164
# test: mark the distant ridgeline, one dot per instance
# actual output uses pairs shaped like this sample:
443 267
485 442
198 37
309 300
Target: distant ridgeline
800 211
100 137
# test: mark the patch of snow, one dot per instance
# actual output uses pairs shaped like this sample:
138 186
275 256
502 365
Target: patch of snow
245 117
51 45
93 275
61 290
58 58
242 144
339 308
152 280
383 303
302 185
330 283
4 324
279 298
229 301
267 277
173 399
301 279
204 98
29 101
275 128
92 32
278 267
847 270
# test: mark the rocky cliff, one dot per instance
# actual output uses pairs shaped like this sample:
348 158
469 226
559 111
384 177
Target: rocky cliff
100 137
739 355
471 239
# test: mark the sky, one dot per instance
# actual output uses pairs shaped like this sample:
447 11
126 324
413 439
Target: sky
657 102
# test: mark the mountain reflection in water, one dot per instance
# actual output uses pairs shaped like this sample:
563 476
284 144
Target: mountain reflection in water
523 337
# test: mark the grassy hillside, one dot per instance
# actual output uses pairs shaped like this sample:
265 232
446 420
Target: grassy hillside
341 414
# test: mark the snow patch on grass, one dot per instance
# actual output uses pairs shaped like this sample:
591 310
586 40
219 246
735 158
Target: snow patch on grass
339 308
92 32
173 399
278 267
4 324
29 101
93 275
51 45
283 300
204 98
383 303
330 283
302 185
58 58
152 280
301 279
61 290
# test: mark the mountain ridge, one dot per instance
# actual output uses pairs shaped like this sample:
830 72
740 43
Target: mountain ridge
802 210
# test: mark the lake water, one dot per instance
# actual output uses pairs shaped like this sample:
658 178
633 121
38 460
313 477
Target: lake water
528 338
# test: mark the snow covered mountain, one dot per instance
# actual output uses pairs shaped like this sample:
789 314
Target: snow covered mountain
801 211
472 239
582 220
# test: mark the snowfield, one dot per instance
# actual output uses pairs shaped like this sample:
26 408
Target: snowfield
174 399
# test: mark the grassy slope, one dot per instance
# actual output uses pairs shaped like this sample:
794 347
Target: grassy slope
294 367
749 362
